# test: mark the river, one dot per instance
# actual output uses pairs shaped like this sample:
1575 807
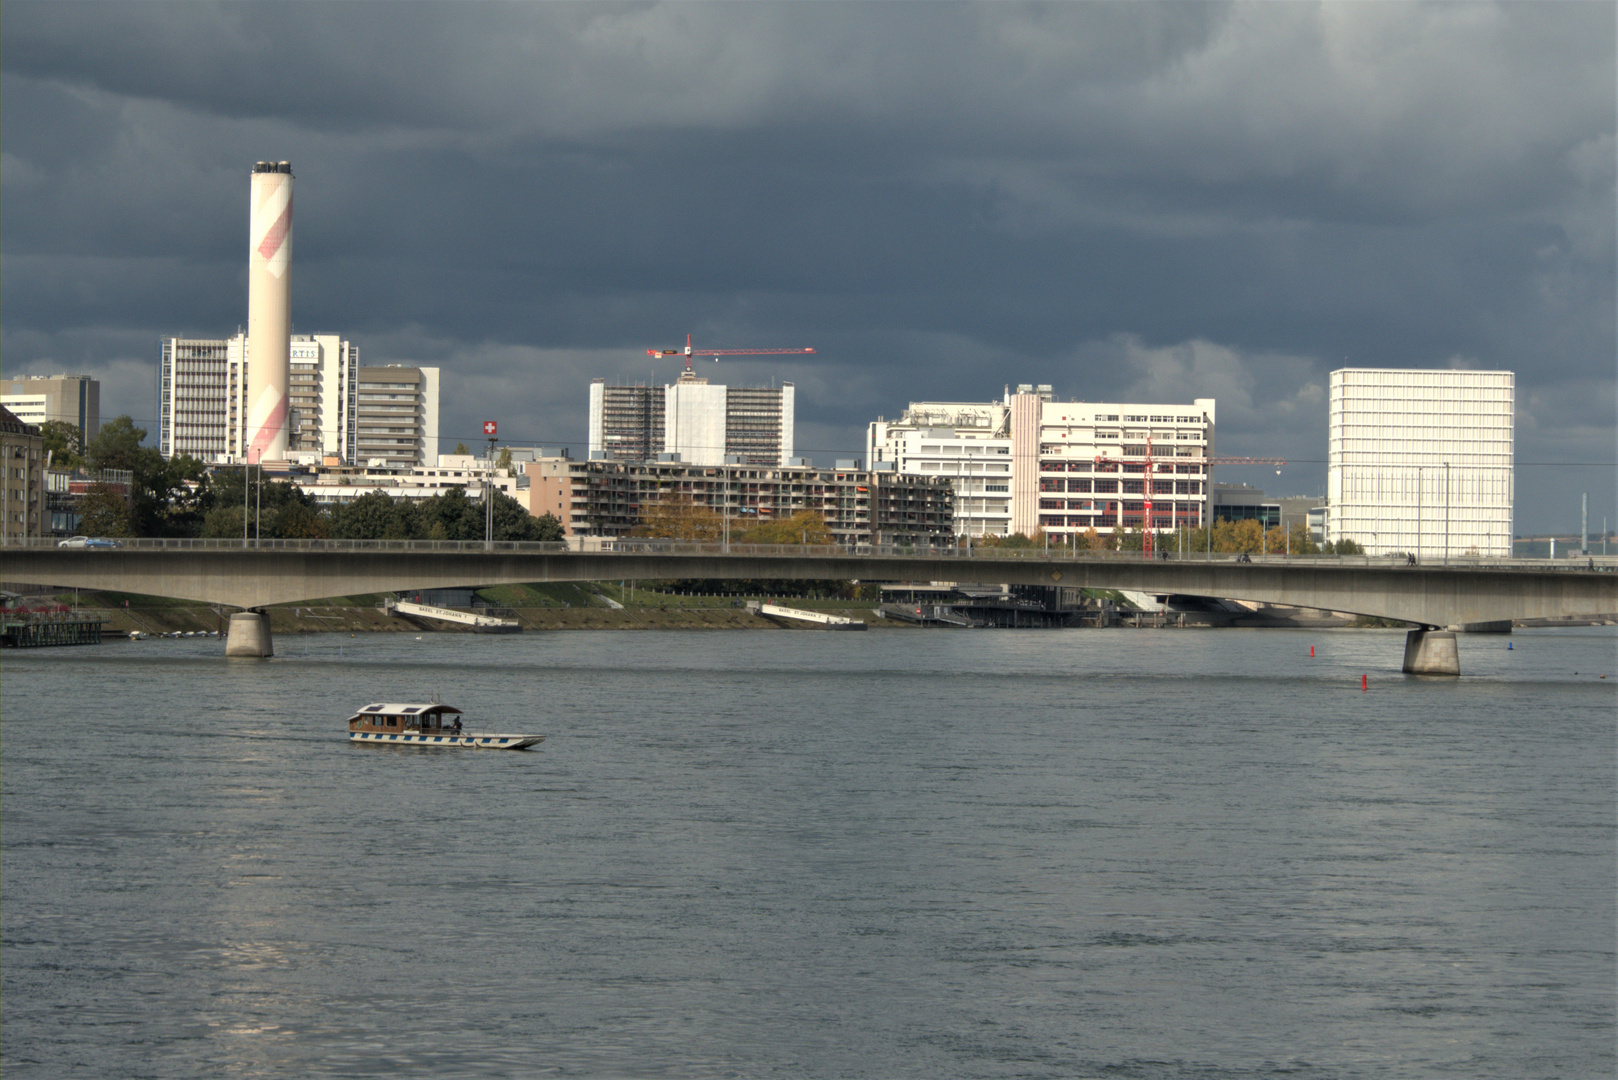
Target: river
1087 853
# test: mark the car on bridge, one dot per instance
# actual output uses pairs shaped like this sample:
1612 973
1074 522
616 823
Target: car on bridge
88 542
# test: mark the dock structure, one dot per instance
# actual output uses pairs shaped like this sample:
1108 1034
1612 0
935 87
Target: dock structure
480 624
829 622
39 629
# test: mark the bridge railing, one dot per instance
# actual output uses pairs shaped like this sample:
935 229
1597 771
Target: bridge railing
646 546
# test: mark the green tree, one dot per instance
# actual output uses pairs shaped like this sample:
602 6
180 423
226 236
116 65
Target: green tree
298 520
1346 546
460 448
119 445
222 523
451 515
104 512
64 442
504 460
374 516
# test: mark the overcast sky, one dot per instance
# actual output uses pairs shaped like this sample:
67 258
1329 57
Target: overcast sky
1131 200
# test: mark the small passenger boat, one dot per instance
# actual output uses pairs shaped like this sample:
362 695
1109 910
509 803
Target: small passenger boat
431 724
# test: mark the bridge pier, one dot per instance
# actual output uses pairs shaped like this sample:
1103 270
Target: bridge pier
1431 652
249 635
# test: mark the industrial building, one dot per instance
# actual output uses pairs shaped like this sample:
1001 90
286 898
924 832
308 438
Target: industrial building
1031 462
71 399
705 423
1420 461
860 506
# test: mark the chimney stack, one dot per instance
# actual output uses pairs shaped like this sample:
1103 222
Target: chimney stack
269 312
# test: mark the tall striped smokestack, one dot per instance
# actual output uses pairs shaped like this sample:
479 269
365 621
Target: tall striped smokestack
269 311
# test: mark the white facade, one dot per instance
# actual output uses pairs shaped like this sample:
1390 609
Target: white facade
970 442
694 422
705 423
337 487
1030 462
1420 461
321 391
200 389
28 408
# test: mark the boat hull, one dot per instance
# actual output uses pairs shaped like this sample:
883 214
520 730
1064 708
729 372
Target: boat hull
463 741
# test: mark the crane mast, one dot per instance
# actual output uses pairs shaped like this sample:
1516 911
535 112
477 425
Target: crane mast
1149 478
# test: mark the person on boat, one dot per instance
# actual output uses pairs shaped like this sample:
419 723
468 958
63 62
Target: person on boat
456 727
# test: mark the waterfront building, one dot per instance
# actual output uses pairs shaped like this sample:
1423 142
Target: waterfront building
705 423
22 490
861 506
38 399
968 442
1420 461
336 484
1031 462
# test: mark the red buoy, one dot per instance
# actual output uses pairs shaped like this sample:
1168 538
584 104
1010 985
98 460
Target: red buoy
1311 650
1363 684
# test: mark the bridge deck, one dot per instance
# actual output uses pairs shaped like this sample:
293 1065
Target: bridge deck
1456 592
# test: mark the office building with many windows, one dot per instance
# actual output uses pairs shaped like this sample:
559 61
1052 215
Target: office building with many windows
1421 461
704 423
861 506
201 382
337 410
396 416
1032 463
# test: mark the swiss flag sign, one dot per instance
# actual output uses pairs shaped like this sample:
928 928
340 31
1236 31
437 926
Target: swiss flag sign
490 427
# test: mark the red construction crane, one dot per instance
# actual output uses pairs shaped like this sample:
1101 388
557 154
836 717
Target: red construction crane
1146 487
689 352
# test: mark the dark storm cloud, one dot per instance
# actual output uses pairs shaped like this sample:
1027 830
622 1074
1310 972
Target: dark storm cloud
1174 200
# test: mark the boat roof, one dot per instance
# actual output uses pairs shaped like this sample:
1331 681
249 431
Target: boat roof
407 708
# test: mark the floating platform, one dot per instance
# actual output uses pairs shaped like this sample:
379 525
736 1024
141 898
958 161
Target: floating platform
35 631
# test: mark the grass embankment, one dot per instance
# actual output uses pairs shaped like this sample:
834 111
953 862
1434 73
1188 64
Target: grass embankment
566 606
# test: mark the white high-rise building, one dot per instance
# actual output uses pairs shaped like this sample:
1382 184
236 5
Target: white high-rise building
200 389
1030 462
1420 461
705 423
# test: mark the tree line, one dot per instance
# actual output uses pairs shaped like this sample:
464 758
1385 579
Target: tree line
184 497
1228 538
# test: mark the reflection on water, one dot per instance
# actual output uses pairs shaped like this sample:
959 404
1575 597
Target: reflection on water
1077 853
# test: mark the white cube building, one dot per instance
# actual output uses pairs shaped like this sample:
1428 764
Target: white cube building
1420 461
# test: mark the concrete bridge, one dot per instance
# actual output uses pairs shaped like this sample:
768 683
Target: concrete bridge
1439 598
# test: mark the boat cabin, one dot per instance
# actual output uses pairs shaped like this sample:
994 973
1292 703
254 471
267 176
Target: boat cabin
428 719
